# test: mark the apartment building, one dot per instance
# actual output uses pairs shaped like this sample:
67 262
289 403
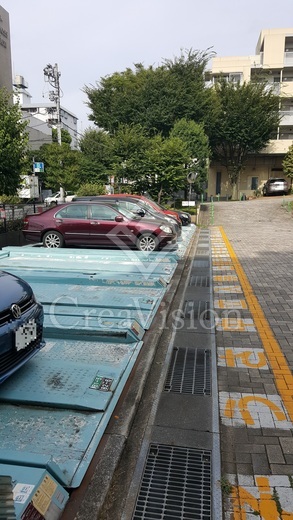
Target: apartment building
274 56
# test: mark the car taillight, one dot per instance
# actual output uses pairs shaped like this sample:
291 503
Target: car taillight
25 223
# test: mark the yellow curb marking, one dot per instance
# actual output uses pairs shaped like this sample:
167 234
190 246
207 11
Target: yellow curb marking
242 405
230 304
228 289
251 358
225 278
237 324
282 374
264 503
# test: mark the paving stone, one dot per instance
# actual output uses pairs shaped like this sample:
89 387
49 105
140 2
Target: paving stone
245 469
287 445
275 454
282 469
260 464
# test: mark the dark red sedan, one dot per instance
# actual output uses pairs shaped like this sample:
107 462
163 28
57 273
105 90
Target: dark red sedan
96 224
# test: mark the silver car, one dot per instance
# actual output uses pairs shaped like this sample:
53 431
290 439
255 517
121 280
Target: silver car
277 186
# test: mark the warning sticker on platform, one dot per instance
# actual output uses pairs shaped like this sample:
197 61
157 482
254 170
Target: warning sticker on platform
21 492
49 486
41 501
102 383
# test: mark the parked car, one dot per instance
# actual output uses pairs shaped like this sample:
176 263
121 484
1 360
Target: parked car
275 186
21 324
135 206
181 217
96 224
56 198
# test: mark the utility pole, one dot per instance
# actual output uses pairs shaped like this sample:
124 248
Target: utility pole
52 75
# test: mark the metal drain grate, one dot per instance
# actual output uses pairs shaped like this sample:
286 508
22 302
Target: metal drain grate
176 484
201 251
201 263
197 310
199 281
189 372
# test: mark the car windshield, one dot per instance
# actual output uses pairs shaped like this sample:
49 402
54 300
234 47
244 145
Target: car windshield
126 213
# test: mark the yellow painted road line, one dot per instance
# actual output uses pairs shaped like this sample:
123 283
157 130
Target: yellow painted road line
277 361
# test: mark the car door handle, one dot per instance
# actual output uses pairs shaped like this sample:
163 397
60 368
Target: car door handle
59 220
94 222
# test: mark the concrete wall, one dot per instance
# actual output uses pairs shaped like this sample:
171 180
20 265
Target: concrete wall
5 51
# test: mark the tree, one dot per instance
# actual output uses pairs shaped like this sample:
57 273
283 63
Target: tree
248 114
160 170
197 143
97 156
61 165
65 136
288 164
153 97
130 143
13 144
91 188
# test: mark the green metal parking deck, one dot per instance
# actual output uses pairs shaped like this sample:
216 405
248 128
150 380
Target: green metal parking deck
98 305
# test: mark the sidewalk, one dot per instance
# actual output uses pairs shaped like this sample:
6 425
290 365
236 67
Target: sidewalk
252 257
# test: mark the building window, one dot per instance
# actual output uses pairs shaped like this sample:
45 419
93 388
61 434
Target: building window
254 183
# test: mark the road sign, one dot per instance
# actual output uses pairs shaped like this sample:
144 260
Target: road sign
38 167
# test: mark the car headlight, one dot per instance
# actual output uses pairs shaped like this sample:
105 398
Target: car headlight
166 229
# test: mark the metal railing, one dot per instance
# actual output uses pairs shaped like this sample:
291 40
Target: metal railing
12 215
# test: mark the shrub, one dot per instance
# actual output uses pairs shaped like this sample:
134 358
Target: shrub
91 189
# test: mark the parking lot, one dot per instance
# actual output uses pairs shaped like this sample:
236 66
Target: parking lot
202 366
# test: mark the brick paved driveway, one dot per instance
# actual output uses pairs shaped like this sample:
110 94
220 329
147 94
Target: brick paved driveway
252 258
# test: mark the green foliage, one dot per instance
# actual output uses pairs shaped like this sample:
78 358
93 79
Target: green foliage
61 166
13 144
161 171
97 156
130 143
248 114
288 163
226 487
10 199
91 189
65 136
153 97
197 143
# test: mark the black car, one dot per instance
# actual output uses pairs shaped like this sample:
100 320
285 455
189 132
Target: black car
21 324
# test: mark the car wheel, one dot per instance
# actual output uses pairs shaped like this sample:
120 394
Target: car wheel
53 203
147 243
53 239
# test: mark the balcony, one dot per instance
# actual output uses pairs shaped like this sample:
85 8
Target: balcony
288 59
278 146
287 118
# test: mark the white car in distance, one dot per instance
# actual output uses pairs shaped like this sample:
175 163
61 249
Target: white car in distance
56 198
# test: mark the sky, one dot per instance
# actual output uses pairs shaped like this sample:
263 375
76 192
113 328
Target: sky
91 39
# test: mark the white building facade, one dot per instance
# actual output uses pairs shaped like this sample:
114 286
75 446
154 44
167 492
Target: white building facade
274 57
42 117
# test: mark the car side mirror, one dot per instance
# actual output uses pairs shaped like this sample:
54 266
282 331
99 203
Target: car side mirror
119 218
